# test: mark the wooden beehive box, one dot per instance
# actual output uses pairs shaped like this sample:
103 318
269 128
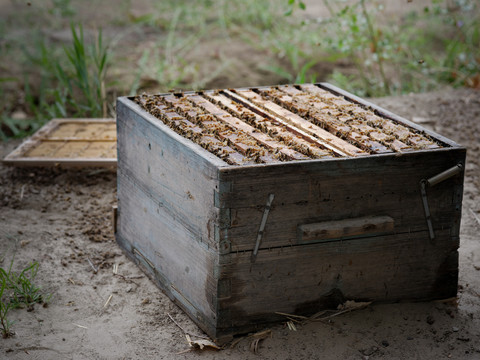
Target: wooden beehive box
244 203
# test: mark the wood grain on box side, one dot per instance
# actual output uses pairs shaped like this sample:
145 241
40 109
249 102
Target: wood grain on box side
306 279
170 254
329 190
180 175
167 219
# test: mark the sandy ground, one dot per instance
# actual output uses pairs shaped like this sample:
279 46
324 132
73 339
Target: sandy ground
63 218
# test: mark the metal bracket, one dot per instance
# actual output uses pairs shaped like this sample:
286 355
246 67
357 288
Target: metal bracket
434 180
423 190
262 226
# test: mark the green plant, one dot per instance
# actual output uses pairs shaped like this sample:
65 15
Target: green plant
163 64
18 290
24 293
353 33
89 65
407 56
5 307
292 4
223 14
293 46
72 84
462 60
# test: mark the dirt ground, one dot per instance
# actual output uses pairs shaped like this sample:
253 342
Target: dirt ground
62 219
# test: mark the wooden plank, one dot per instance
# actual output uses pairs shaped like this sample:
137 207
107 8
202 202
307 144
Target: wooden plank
85 130
239 125
330 190
171 254
305 279
329 140
345 228
268 126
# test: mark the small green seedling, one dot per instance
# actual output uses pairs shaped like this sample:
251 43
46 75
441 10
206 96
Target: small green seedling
5 324
24 292
18 291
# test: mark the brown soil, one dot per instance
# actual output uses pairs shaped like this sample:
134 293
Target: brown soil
62 219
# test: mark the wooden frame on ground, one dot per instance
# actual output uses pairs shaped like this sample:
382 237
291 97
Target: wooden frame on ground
69 143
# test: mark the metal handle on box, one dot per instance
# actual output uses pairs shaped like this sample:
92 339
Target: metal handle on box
434 180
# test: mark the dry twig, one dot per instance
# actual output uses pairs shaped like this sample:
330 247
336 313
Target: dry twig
80 326
129 278
108 301
22 191
95 270
185 331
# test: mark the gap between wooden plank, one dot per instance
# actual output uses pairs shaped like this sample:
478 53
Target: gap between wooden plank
315 243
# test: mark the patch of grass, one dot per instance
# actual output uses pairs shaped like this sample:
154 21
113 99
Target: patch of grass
70 82
5 307
18 290
221 14
24 293
89 65
73 85
462 59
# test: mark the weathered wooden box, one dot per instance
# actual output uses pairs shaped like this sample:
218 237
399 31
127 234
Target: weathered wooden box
247 202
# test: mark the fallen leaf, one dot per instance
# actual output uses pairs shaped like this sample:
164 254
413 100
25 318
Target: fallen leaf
201 344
